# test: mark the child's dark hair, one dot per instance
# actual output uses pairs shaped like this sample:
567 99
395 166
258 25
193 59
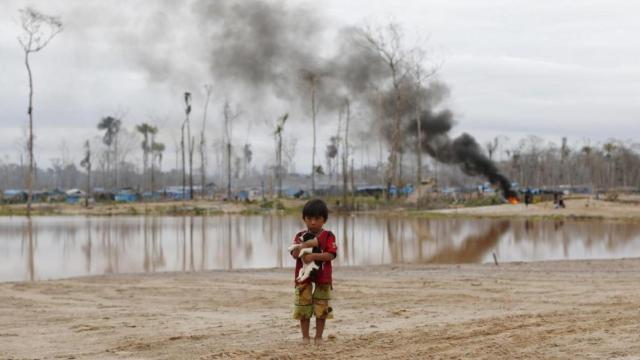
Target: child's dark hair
315 208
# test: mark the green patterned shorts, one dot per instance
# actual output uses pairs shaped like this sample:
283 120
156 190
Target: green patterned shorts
312 302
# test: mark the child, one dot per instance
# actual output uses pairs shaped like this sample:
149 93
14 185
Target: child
313 294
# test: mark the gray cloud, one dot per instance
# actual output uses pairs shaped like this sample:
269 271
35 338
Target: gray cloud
545 68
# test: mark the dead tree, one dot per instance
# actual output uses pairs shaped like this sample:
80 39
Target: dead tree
278 136
191 148
156 154
203 145
190 139
247 153
186 126
313 79
289 151
491 147
565 176
247 156
420 76
387 44
345 153
86 163
38 30
184 172
229 117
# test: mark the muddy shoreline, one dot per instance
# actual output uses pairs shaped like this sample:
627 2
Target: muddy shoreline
576 209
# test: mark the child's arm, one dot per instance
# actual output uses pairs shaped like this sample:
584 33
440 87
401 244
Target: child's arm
297 247
329 250
309 243
325 256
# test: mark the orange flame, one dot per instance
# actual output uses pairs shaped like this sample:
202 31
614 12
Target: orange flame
513 200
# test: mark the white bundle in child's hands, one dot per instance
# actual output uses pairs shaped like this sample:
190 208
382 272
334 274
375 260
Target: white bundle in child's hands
310 268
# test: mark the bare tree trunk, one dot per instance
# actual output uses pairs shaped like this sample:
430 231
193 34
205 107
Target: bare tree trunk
352 190
400 182
279 165
278 133
229 171
228 117
39 29
381 171
313 151
184 171
115 155
345 154
203 146
153 141
145 165
187 111
418 148
86 200
202 164
106 178
191 147
336 162
395 147
87 163
30 139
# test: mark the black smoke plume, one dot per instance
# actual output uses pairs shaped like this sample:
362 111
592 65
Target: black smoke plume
260 44
462 151
273 48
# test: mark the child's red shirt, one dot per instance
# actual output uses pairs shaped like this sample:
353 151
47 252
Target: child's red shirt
326 243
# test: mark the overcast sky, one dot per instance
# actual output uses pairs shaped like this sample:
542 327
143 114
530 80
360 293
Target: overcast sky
548 68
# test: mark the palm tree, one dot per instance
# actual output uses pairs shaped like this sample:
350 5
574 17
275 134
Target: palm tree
146 130
609 148
111 126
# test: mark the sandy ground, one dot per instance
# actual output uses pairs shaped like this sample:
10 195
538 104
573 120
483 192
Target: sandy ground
582 208
548 310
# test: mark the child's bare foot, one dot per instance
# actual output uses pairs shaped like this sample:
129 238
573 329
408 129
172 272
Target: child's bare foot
317 341
306 341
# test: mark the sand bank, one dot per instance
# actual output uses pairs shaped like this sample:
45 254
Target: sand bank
562 310
583 208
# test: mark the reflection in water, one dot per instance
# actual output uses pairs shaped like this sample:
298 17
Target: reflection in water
48 247
31 249
229 244
86 248
473 248
345 239
153 253
203 243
